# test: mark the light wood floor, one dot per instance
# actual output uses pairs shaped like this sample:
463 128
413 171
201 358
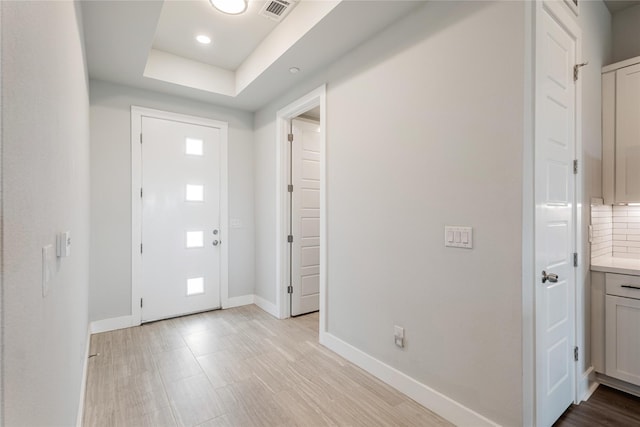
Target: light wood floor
236 367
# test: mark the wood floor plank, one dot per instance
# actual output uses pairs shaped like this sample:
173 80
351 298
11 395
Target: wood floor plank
193 400
236 367
606 407
177 364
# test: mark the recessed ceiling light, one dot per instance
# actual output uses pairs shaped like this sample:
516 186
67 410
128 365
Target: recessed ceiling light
232 7
294 70
203 39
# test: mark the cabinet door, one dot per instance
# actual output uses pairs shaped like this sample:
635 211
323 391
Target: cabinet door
623 338
609 137
628 134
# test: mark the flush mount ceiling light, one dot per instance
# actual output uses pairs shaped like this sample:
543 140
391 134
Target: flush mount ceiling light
201 38
232 7
294 70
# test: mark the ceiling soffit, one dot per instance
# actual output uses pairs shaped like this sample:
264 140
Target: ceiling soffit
177 69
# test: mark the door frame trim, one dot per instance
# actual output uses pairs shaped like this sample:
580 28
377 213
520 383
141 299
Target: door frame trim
314 98
560 12
137 113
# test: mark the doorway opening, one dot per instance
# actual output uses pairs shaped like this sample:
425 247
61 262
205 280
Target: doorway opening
179 214
304 213
301 207
557 333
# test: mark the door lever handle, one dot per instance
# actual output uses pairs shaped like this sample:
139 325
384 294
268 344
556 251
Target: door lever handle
551 277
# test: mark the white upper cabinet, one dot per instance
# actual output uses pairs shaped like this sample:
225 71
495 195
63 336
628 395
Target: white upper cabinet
621 132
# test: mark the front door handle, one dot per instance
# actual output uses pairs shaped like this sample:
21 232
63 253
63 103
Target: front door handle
216 242
551 277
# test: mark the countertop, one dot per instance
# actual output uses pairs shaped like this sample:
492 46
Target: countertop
609 264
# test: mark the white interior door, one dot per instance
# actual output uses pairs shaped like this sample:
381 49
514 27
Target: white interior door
181 234
555 218
305 218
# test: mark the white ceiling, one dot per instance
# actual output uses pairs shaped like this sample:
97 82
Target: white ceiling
150 44
233 37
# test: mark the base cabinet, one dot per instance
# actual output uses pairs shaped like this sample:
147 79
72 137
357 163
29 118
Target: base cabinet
622 324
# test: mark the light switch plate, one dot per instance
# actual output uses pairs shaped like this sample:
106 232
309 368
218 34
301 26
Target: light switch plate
458 237
398 336
63 244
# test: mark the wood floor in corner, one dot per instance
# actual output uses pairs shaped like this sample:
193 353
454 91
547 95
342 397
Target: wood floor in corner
236 367
606 407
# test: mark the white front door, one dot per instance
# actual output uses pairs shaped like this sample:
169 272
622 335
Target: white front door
181 236
305 218
555 144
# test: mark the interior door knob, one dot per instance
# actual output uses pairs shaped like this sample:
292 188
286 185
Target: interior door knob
551 277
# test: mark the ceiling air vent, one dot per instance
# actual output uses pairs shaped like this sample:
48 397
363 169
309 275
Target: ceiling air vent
276 10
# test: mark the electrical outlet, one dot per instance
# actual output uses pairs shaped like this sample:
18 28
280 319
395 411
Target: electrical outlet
398 336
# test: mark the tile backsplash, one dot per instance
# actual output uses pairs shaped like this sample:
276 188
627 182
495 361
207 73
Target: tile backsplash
602 230
626 231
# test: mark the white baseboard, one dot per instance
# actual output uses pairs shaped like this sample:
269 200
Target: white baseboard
435 401
586 385
238 301
122 322
112 324
618 384
83 384
266 305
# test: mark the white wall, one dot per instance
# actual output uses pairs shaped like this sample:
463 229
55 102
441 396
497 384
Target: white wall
626 34
110 292
45 174
425 126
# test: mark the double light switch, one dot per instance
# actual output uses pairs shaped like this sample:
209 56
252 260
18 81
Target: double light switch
458 237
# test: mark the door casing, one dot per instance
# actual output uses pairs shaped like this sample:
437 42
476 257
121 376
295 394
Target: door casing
136 203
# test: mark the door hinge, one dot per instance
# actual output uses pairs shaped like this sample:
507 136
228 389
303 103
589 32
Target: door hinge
289 289
576 69
575 353
140 247
575 166
290 137
140 138
290 188
575 259
140 302
290 238
140 192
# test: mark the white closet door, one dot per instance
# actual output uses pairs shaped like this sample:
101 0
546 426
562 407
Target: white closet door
305 218
555 212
